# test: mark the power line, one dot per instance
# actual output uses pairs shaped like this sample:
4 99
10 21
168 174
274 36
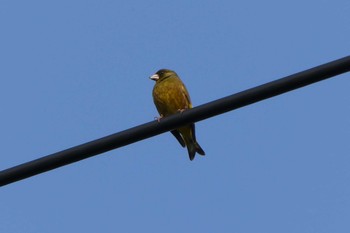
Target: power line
153 128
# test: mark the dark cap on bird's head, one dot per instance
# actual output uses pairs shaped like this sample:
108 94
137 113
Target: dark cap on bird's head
162 74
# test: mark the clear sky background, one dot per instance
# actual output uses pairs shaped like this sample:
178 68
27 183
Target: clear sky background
75 71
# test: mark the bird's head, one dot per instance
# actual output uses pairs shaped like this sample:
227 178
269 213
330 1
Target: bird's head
162 74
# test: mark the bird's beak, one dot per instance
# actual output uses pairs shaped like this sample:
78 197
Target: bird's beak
154 77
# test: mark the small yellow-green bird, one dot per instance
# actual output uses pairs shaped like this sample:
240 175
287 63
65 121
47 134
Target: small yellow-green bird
171 96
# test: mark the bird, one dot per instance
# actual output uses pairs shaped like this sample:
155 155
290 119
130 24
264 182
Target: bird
170 96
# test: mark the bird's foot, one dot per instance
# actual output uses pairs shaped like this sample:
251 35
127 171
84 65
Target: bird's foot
182 110
158 118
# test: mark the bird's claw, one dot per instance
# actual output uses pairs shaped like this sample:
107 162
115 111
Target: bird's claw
182 110
158 118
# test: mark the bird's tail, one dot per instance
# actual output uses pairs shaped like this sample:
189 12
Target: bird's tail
193 148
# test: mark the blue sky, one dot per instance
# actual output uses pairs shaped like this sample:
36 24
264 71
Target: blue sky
75 71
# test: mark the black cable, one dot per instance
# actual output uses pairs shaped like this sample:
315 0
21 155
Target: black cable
153 128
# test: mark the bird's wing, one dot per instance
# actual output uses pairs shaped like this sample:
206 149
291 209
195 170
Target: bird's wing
178 137
186 96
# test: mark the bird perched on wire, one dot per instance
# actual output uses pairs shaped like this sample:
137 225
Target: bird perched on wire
171 96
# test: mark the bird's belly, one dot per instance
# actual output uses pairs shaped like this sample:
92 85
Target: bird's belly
169 103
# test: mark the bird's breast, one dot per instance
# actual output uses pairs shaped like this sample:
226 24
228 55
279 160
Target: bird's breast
169 98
